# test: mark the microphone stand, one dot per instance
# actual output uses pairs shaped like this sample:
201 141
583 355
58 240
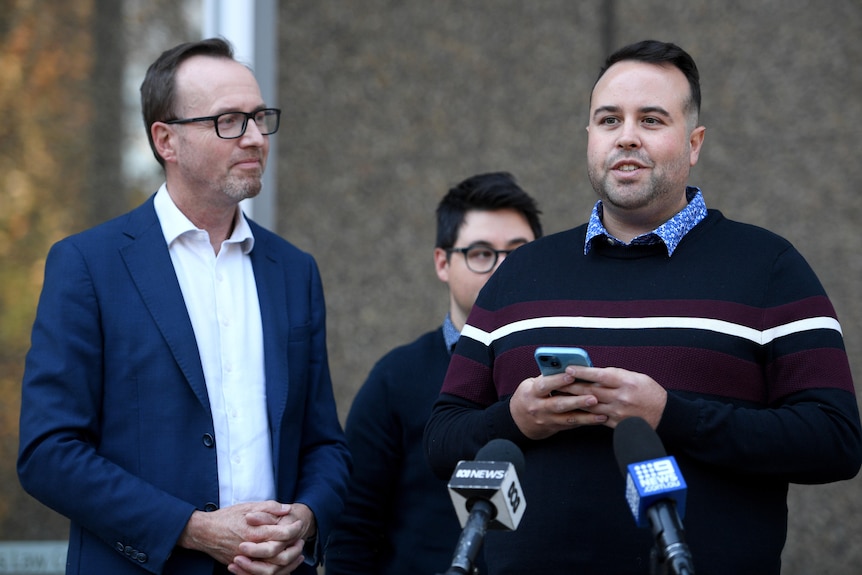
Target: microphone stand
670 555
470 542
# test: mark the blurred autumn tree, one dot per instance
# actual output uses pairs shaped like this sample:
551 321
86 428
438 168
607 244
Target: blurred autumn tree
45 64
64 126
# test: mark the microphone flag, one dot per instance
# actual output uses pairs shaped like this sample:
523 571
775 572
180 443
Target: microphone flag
494 481
651 481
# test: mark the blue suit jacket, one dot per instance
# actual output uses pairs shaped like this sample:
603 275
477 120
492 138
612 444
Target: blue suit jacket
116 431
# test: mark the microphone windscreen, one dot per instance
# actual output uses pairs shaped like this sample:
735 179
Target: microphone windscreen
502 450
635 441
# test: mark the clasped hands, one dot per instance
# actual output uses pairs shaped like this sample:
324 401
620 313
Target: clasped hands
258 538
544 405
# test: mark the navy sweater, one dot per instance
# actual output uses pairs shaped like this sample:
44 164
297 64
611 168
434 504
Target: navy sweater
735 325
398 517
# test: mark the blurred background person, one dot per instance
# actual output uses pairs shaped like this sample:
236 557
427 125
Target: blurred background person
398 517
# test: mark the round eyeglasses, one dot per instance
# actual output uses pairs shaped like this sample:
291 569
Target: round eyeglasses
480 259
232 125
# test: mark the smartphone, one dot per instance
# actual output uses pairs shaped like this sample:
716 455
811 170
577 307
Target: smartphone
553 360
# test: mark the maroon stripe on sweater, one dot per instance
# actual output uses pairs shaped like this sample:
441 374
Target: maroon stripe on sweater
675 368
749 316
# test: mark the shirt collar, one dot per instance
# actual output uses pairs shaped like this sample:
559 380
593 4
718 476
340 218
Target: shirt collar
450 333
175 224
670 233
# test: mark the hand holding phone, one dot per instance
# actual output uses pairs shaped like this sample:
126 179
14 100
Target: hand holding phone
552 360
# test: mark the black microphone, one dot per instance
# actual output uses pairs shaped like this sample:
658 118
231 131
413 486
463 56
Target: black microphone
655 491
487 495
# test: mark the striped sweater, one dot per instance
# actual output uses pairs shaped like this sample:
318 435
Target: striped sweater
738 329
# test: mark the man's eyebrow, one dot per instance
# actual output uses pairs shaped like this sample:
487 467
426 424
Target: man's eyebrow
519 241
229 109
487 244
605 109
655 110
644 110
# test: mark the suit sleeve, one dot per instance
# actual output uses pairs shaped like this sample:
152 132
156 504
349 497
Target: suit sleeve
324 459
61 461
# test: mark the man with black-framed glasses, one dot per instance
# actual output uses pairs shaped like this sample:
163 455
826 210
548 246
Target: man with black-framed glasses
177 404
398 517
232 125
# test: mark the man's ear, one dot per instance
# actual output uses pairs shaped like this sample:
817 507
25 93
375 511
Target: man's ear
441 264
695 141
164 140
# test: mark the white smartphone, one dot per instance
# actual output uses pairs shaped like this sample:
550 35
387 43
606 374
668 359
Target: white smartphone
553 360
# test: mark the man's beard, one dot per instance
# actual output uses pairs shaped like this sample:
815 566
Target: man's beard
660 183
242 189
643 193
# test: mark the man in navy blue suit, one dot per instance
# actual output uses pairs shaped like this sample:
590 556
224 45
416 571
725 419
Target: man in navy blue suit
177 404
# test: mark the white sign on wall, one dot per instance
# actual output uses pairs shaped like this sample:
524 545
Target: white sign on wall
28 557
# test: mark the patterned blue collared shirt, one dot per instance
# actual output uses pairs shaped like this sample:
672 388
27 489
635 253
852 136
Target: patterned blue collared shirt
450 333
671 232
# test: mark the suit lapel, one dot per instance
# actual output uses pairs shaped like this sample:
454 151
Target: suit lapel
271 289
152 271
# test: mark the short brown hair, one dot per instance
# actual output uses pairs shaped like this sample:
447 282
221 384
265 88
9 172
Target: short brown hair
158 90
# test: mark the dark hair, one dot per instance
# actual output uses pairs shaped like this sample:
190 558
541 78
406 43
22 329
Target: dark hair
158 90
660 53
488 192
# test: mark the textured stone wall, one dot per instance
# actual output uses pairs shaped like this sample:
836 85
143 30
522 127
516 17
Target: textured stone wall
387 103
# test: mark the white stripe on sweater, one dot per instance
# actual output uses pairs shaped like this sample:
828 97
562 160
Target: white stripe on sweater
716 325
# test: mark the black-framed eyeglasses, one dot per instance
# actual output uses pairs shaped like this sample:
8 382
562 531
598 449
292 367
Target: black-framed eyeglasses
231 125
480 258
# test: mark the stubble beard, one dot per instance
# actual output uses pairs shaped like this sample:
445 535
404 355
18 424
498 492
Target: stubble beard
636 195
235 186
627 196
242 189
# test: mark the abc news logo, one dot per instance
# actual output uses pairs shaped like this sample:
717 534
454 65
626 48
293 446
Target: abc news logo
495 481
514 497
480 473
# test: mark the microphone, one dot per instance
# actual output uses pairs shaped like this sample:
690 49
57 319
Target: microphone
486 494
655 491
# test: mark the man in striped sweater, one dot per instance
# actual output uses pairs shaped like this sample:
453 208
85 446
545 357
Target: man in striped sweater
717 333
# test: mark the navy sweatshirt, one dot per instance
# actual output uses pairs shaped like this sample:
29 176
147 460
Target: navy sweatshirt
398 517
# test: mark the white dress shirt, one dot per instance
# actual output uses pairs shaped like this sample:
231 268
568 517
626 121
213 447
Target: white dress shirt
221 297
